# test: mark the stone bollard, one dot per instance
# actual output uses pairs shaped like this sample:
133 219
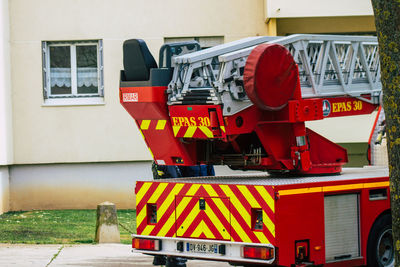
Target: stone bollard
107 224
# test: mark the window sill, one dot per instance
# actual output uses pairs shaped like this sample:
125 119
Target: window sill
81 101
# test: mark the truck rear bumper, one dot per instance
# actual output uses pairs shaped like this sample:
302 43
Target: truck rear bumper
206 249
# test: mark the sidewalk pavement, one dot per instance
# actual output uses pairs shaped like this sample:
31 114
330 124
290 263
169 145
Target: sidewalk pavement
102 255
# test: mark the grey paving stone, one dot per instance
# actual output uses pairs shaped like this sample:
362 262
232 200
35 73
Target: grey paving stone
102 255
26 255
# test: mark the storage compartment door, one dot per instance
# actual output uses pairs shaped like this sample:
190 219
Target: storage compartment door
203 217
342 230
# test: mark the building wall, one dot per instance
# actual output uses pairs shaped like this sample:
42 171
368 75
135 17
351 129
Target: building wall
316 8
6 133
75 186
4 190
323 25
101 133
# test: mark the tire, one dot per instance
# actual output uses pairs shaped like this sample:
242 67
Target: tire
380 250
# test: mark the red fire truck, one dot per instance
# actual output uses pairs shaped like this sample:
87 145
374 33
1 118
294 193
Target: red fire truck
245 104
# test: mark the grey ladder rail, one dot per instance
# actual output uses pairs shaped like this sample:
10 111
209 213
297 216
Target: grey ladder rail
329 66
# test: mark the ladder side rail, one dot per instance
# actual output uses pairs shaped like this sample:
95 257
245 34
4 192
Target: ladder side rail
336 65
328 49
301 55
318 73
297 37
365 65
326 46
223 49
355 47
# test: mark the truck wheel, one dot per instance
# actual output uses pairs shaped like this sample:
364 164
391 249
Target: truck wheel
380 250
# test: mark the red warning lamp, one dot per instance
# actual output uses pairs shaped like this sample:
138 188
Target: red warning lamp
263 253
146 244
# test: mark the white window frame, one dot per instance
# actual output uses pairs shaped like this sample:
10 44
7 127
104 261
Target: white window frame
74 98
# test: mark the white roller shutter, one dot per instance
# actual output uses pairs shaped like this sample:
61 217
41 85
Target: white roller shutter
342 227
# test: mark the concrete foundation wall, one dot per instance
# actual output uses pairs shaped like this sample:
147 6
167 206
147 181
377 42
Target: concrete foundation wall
4 190
79 186
75 186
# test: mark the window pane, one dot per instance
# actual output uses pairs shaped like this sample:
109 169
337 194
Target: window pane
87 75
60 70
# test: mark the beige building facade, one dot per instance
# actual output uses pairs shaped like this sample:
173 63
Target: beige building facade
64 147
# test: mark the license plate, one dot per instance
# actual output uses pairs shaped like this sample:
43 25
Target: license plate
202 248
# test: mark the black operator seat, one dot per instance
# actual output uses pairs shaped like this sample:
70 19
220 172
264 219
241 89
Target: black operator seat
140 68
137 60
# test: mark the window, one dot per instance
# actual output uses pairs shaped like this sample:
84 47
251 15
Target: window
73 72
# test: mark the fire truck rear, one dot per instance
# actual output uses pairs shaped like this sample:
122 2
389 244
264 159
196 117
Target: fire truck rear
244 104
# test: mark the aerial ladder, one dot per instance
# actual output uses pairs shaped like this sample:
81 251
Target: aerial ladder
244 104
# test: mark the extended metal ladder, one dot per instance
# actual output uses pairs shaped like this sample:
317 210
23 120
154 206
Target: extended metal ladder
329 65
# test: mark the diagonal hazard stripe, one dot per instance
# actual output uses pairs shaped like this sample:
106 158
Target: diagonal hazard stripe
160 189
183 206
147 229
255 204
146 196
189 213
210 190
175 129
236 215
142 191
141 197
167 221
172 192
160 211
248 196
223 229
237 204
266 196
195 231
140 218
202 228
190 131
234 232
246 205
268 214
261 236
269 224
144 125
207 132
189 224
171 189
220 211
161 124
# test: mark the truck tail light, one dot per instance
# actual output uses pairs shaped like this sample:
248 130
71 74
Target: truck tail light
302 250
146 244
263 253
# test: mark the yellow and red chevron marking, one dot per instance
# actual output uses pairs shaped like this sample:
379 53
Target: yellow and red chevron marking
227 215
196 131
152 124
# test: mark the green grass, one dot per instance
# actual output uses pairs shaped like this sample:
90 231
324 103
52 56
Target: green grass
59 226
